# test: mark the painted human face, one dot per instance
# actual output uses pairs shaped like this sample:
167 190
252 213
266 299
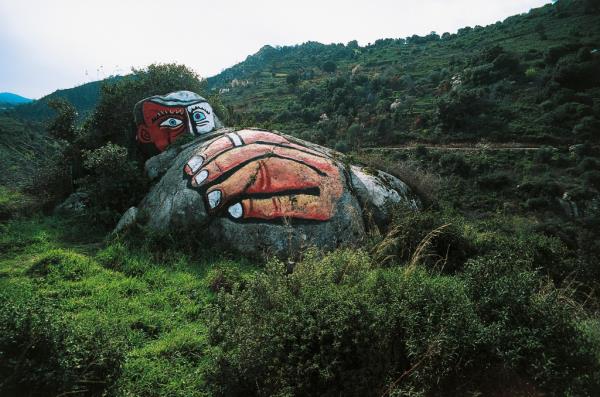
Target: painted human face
164 124
201 117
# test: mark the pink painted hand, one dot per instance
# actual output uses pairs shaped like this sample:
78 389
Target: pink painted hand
261 175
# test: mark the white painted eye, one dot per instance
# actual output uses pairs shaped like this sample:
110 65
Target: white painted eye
199 116
171 122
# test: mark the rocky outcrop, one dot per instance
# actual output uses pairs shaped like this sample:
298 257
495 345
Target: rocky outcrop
261 192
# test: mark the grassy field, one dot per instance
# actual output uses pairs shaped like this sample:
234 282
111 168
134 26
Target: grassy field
83 315
442 304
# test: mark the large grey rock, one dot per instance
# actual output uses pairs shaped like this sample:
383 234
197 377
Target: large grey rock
327 216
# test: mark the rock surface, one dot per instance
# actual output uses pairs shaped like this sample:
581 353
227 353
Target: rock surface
260 192
74 205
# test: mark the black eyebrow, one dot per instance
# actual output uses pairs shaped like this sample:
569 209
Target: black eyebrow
201 108
169 112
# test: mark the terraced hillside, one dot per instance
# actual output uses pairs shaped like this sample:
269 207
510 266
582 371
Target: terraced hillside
530 78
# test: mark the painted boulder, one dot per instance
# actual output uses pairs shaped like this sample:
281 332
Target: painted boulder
258 191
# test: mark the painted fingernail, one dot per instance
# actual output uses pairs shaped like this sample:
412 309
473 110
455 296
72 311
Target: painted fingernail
194 163
202 175
236 211
214 198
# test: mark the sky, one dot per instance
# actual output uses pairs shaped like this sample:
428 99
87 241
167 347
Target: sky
47 45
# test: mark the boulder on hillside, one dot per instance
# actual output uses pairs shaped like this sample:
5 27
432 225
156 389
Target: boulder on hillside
262 192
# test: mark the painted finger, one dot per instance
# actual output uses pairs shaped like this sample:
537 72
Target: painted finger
258 136
214 148
264 177
299 206
238 157
252 136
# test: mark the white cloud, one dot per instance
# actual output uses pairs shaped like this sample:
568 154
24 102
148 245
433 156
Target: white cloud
45 45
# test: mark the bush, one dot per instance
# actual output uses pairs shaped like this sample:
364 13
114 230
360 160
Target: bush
495 180
61 264
588 164
14 204
113 182
43 353
63 125
524 322
443 244
334 327
537 203
329 67
112 120
588 129
464 110
454 164
592 178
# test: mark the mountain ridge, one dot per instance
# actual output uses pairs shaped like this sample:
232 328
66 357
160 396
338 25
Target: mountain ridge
12 99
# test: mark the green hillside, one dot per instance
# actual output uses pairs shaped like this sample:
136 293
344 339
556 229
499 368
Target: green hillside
83 97
8 100
509 81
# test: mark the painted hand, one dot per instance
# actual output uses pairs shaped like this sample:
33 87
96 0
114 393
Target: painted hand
254 174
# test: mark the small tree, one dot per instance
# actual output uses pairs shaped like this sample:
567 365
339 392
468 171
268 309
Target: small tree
112 119
293 79
63 125
329 67
112 182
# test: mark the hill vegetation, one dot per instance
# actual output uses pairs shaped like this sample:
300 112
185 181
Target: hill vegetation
84 98
8 99
530 78
491 290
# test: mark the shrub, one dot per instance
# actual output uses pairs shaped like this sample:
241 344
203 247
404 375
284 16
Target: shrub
553 54
588 129
545 154
342 146
113 182
592 178
223 278
63 125
464 110
112 119
329 67
334 327
45 353
524 322
588 164
61 264
495 180
431 238
537 203
454 163
14 204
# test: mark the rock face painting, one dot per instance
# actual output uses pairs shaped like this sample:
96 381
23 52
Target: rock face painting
259 175
161 120
256 191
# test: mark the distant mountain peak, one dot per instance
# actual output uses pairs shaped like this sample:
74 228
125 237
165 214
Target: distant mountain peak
13 99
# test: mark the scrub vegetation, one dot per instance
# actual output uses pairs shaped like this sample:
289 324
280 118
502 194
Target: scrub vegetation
492 289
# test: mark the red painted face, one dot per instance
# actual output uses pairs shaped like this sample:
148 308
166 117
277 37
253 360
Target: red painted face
162 124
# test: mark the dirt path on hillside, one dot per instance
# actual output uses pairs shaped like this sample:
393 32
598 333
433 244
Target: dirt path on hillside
460 146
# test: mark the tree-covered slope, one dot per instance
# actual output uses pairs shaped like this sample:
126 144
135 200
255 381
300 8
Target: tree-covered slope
84 98
532 77
8 99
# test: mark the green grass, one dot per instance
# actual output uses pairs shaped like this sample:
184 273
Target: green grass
118 319
138 316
